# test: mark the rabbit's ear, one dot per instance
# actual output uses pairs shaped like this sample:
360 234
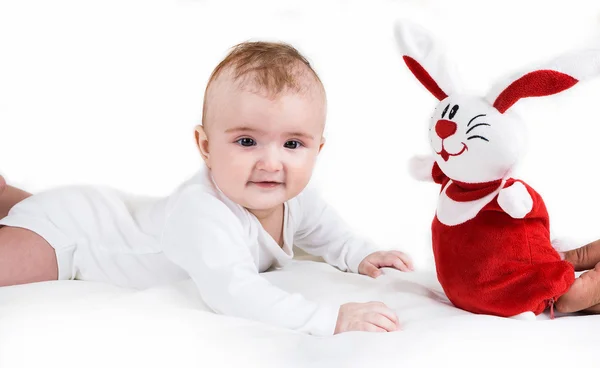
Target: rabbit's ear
424 58
556 76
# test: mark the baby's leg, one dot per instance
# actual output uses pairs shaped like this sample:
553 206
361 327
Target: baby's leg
583 294
25 257
9 196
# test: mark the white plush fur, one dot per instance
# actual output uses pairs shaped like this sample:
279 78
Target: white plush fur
482 161
420 167
418 43
515 200
451 212
525 316
477 153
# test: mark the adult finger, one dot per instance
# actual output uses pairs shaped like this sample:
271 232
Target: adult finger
584 258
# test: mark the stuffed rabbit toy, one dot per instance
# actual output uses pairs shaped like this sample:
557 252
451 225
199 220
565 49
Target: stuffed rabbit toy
490 233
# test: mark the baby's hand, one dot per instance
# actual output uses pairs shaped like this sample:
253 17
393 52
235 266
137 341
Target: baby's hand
373 262
371 317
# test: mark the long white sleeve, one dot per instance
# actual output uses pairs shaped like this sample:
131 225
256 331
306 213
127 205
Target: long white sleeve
322 232
205 238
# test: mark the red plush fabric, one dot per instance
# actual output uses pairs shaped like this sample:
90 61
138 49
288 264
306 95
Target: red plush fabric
537 83
495 264
438 175
466 192
424 77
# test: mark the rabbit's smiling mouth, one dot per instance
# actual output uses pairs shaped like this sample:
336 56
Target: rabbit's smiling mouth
446 155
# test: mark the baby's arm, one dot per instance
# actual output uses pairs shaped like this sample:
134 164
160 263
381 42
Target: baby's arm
322 232
206 239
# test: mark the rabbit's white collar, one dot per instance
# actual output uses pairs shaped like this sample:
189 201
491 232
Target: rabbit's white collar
451 212
466 192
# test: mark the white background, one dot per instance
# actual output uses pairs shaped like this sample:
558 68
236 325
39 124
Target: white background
108 92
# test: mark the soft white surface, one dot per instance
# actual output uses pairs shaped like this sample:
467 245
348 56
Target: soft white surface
108 92
79 324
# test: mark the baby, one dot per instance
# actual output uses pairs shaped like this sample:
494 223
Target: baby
262 130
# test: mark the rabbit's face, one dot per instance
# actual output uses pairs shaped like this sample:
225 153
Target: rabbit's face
473 142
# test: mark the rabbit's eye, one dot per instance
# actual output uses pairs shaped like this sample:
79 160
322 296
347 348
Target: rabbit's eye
445 111
453 111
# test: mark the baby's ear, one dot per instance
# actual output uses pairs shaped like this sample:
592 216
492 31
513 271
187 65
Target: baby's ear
322 144
202 143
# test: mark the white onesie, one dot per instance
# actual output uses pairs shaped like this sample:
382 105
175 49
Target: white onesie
100 234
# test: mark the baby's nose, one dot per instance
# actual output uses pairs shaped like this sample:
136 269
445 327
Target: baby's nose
270 165
445 128
270 162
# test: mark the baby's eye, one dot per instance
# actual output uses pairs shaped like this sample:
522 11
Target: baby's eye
246 142
292 144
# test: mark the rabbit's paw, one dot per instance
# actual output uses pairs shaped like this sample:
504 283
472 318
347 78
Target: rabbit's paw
420 167
515 200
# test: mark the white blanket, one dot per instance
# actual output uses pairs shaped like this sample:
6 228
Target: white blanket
84 324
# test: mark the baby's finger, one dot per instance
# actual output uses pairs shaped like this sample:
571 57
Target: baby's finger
370 270
405 258
384 310
382 321
400 265
368 327
392 260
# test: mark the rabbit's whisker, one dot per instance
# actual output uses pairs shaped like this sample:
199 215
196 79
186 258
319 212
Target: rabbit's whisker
478 136
478 116
475 126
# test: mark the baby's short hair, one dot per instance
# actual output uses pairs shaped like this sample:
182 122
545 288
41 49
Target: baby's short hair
270 66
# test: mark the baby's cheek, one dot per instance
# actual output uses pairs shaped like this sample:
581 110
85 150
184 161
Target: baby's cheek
231 160
299 172
231 168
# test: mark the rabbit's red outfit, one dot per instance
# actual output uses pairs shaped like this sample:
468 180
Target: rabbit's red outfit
493 263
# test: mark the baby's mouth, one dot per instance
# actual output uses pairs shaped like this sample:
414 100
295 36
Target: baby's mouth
446 155
266 184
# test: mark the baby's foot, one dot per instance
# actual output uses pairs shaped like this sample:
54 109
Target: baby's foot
583 294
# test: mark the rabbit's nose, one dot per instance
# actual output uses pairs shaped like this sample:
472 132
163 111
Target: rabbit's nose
445 128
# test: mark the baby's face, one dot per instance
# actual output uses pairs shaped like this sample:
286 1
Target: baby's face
262 151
